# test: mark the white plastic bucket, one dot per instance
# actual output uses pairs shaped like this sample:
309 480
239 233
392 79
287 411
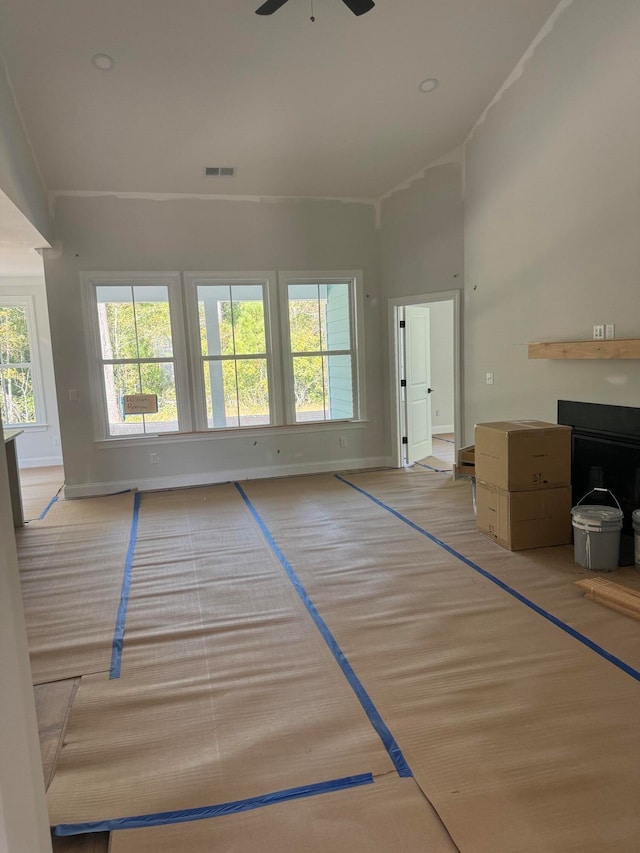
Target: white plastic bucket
596 536
636 538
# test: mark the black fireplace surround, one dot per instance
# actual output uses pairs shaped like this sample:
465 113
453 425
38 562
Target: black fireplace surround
605 453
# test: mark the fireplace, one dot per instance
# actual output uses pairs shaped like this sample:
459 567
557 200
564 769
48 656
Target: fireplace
605 453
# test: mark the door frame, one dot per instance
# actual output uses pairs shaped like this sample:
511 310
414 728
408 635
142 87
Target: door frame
395 360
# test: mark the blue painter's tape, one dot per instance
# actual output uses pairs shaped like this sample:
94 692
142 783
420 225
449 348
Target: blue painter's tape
594 647
48 507
118 633
394 751
207 812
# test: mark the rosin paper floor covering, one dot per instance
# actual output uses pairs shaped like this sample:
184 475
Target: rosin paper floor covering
71 569
390 816
227 691
39 487
521 734
506 720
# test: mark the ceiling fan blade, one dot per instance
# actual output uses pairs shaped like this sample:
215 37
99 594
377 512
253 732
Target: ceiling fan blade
359 7
270 7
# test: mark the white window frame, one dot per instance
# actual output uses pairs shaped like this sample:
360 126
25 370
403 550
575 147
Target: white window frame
28 303
267 281
354 279
172 280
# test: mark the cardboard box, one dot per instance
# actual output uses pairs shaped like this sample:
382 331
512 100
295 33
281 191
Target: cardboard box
523 455
521 520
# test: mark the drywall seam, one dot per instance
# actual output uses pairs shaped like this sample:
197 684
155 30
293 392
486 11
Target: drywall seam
518 71
453 156
55 194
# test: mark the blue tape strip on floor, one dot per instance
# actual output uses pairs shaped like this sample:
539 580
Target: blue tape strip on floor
118 634
617 662
394 751
47 508
207 812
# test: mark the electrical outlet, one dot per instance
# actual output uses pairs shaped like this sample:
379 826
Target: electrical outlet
610 330
153 458
489 378
438 413
342 441
598 333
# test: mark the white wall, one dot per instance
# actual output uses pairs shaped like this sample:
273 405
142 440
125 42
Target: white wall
19 176
421 233
441 340
552 218
421 241
23 814
39 445
111 233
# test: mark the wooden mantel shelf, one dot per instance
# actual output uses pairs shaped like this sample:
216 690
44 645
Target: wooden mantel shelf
613 348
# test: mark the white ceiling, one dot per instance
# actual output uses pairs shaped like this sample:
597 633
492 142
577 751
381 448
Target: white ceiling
327 109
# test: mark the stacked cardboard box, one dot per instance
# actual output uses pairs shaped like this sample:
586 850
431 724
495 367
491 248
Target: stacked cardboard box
523 481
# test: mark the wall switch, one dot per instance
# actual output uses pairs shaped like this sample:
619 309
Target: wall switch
489 378
598 333
438 413
610 330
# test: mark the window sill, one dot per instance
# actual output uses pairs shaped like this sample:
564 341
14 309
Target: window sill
26 428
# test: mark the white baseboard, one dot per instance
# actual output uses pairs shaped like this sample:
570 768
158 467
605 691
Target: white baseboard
440 429
211 478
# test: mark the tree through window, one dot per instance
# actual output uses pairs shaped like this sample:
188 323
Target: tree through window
137 355
18 400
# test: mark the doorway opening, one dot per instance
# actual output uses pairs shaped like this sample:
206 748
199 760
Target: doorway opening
425 379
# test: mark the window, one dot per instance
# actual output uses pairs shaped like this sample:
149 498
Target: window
320 324
134 326
21 397
233 347
259 355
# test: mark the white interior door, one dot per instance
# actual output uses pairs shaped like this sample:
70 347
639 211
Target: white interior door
418 378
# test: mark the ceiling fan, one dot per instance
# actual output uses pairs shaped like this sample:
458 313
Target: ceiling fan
358 7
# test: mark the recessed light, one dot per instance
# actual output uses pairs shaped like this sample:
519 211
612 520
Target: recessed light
429 84
103 61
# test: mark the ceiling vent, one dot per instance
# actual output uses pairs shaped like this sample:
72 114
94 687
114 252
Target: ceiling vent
219 171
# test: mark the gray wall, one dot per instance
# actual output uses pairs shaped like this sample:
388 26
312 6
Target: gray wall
552 218
110 233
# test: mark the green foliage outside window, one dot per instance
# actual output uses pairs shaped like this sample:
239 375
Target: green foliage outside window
138 331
